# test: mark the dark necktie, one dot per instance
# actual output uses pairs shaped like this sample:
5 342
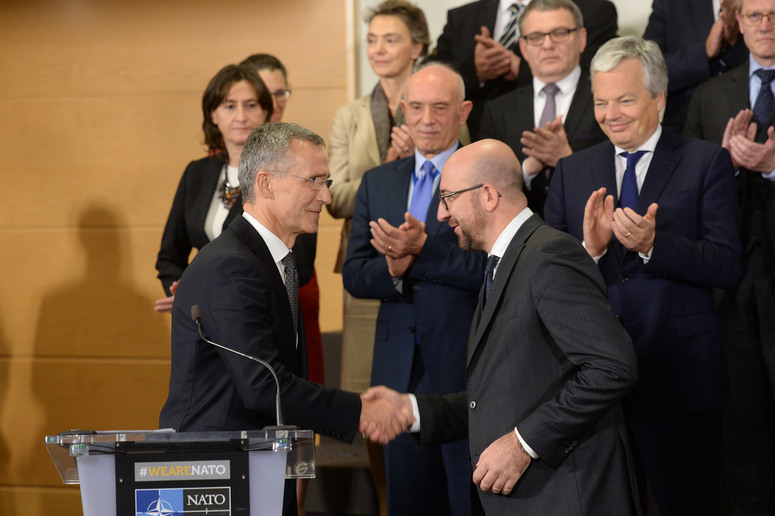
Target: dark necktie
765 104
423 192
629 196
511 34
489 269
292 286
550 108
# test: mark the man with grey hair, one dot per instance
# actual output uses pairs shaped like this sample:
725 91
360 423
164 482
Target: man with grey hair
657 212
400 254
244 283
552 116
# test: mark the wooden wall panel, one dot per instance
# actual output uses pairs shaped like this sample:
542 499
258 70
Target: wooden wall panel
100 103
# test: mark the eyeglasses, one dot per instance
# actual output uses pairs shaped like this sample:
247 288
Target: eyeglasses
755 18
448 197
316 182
281 95
557 36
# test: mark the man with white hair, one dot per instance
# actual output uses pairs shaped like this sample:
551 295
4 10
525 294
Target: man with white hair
657 212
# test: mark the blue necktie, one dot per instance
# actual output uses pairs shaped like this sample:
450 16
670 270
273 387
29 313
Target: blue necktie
489 271
423 192
765 104
629 195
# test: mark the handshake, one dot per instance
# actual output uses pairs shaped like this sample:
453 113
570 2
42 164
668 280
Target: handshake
385 414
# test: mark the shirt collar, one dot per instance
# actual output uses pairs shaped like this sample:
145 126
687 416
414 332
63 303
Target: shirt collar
566 84
277 248
650 145
753 65
439 160
504 239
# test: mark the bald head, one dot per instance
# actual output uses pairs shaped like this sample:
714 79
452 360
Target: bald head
434 108
481 189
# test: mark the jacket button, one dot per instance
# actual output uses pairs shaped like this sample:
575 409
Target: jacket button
417 288
472 404
624 278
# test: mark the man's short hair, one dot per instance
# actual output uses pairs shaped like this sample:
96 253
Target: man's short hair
265 62
632 47
551 5
267 148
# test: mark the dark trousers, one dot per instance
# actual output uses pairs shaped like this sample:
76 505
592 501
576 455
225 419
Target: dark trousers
748 318
680 456
426 480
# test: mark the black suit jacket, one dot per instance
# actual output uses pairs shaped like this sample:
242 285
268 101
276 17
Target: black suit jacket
667 304
244 306
185 228
546 355
712 105
507 117
456 47
680 29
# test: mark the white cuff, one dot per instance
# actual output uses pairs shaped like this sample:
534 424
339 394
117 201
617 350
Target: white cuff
416 413
525 446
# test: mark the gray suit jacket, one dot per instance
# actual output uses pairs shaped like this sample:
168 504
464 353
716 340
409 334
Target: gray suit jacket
546 356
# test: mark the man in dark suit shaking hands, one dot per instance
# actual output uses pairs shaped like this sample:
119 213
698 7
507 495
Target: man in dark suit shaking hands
657 212
547 361
245 283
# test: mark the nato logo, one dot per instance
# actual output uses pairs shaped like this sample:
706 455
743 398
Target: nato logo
159 502
215 501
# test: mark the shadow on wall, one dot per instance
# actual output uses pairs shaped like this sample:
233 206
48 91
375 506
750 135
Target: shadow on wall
101 352
7 501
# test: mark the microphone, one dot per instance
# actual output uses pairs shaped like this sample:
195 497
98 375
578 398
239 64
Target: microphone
196 315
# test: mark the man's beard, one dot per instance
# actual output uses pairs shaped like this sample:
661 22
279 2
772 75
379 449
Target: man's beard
468 241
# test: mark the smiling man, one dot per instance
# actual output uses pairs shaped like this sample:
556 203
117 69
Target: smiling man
551 117
400 254
547 362
657 212
246 285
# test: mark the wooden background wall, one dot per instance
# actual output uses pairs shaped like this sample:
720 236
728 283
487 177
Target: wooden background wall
99 114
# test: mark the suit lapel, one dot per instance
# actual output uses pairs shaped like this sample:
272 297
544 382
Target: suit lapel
578 105
256 244
404 173
505 269
366 123
663 163
211 173
525 117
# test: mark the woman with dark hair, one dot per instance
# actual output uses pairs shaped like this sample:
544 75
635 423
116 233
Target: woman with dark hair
235 102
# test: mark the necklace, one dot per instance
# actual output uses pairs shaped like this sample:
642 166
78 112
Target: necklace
229 193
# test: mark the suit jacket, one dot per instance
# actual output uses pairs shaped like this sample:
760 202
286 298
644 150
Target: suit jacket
352 150
507 117
245 307
667 304
456 46
185 228
548 356
439 290
680 29
713 104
